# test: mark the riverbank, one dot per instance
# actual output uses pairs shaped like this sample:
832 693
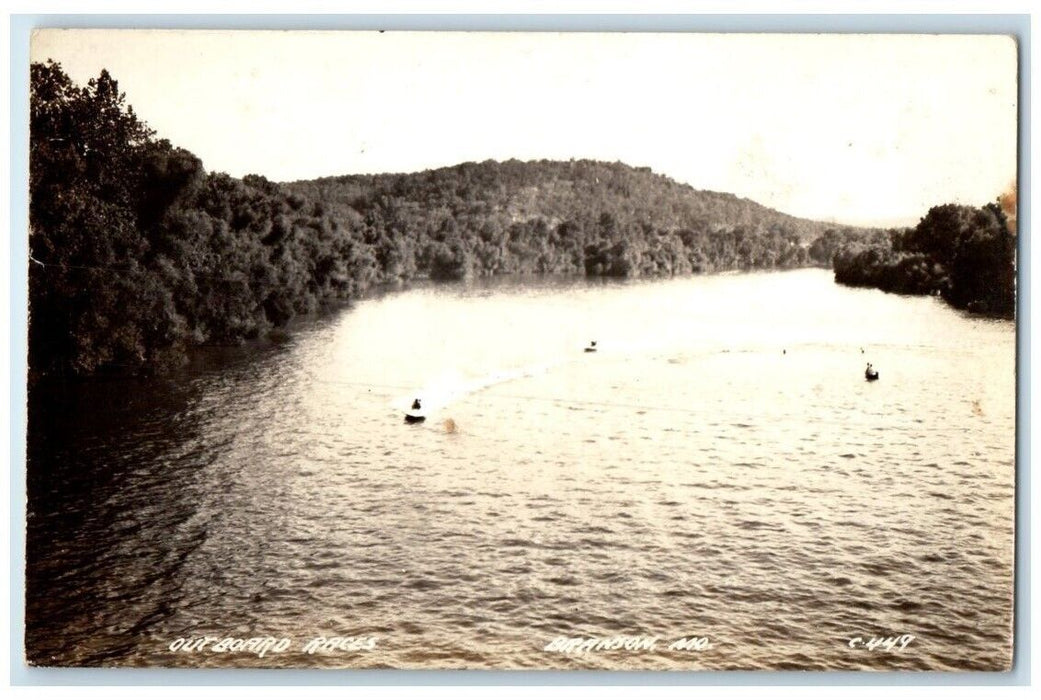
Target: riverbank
966 255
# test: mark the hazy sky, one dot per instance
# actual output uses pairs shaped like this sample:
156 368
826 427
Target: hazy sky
851 128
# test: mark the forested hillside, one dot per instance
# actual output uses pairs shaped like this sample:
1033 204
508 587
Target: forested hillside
137 253
550 216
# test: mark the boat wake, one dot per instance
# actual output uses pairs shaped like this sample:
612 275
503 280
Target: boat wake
451 387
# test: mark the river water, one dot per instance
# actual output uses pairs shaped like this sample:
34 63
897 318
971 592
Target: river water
719 469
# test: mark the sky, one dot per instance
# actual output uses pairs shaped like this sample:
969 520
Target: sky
857 129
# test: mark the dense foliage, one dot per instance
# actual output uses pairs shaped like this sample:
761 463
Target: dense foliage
965 254
562 217
138 252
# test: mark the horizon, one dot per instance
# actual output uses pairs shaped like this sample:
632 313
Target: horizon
844 129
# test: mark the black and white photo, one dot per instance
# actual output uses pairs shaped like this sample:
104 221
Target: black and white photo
521 350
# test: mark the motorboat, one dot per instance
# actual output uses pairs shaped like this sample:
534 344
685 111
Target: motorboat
415 413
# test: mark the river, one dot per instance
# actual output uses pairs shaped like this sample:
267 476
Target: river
719 470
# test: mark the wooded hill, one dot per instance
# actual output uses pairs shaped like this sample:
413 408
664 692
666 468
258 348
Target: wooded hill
137 253
563 217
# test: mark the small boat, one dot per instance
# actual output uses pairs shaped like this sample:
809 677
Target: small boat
870 374
591 347
413 415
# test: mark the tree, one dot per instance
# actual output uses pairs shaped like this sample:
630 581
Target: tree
84 163
966 254
982 264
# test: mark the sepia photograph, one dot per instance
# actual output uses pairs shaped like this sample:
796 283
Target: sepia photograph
463 350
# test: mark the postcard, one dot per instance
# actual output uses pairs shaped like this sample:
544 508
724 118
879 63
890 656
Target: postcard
521 350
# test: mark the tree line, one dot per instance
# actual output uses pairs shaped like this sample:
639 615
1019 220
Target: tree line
138 253
967 255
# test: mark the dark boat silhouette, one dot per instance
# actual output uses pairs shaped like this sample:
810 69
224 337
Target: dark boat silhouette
870 374
414 415
591 347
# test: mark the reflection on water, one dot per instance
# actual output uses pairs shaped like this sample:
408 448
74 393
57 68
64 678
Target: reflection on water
718 468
